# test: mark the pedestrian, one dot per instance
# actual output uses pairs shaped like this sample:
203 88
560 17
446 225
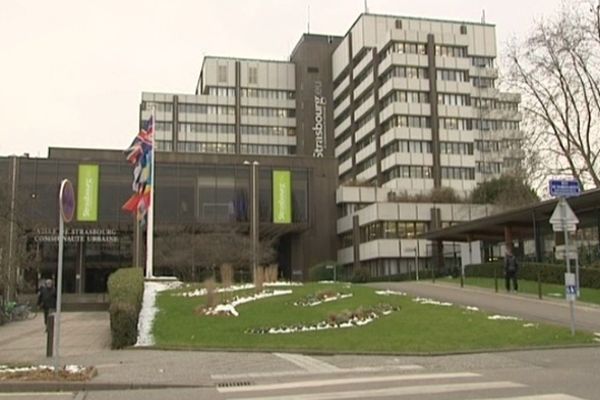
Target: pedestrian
47 299
511 268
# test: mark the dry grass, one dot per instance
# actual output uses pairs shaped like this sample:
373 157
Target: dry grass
211 292
226 271
259 279
48 375
271 273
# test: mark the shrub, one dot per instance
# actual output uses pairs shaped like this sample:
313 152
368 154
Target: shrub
549 273
125 293
361 275
320 272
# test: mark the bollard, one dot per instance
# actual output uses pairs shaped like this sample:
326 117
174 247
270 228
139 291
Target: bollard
539 285
496 280
50 336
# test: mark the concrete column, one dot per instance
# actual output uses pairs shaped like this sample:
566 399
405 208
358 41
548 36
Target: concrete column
356 242
508 237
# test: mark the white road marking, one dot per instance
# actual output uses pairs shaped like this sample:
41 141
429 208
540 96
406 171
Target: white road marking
554 396
407 367
36 394
398 391
345 381
307 363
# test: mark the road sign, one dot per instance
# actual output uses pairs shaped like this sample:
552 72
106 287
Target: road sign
570 287
564 188
563 218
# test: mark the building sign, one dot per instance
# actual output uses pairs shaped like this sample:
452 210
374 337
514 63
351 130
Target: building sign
87 193
77 235
282 197
319 126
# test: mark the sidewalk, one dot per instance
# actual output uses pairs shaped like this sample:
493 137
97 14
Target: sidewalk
587 317
82 333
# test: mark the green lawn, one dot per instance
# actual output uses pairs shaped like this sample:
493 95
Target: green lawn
415 328
549 290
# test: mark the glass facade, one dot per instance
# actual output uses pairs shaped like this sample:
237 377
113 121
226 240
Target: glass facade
189 196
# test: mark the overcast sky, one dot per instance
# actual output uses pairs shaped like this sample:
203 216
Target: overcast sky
72 71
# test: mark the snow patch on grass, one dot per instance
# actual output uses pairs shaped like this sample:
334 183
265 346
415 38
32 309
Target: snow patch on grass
471 308
235 288
530 325
389 293
148 311
425 300
554 294
229 308
503 318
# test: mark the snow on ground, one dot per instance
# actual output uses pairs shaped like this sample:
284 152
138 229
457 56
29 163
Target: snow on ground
235 288
389 293
229 308
503 318
471 308
71 369
530 325
555 294
338 296
148 311
425 300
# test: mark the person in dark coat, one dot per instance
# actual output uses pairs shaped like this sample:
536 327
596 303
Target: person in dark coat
47 299
511 268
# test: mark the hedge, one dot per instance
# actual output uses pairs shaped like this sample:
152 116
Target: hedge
320 272
125 292
549 273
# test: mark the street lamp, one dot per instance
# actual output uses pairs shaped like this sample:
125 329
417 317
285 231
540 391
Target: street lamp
254 222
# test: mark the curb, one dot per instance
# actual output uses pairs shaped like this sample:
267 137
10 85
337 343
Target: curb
46 386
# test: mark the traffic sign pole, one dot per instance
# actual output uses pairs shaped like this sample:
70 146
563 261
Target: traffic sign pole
563 214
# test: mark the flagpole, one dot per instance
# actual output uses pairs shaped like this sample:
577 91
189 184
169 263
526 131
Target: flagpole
150 227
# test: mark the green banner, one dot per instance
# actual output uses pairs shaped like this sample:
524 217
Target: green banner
282 197
87 193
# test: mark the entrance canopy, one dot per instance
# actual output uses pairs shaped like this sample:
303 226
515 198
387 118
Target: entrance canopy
524 222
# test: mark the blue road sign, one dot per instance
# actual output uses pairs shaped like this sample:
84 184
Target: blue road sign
564 188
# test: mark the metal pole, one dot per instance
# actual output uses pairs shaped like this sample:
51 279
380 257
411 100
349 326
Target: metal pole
61 234
417 260
150 211
254 221
11 229
563 215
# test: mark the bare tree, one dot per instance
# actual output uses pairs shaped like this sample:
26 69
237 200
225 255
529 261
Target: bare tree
557 71
193 256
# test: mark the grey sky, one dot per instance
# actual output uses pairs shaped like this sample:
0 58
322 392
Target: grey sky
72 71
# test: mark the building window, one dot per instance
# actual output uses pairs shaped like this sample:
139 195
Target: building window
222 74
398 24
252 75
313 70
463 30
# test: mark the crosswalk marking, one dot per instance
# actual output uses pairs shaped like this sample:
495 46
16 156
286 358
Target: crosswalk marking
346 381
279 374
555 396
306 362
396 391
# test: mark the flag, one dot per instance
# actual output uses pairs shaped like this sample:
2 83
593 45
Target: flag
139 154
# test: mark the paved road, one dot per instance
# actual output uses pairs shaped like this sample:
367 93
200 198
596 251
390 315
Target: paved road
554 311
530 375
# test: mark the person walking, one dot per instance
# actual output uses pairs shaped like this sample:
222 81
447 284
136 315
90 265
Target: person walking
47 299
511 267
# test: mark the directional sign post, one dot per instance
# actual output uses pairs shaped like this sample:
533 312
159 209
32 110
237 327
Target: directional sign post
564 220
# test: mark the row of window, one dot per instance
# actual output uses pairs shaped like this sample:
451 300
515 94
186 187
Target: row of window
462 124
268 112
482 82
405 72
268 94
221 91
458 173
407 146
267 130
360 167
489 167
163 145
456 148
392 230
206 109
158 106
451 99
457 75
269 149
408 171
406 48
401 96
206 147
494 104
410 121
450 51
495 125
194 127
482 62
